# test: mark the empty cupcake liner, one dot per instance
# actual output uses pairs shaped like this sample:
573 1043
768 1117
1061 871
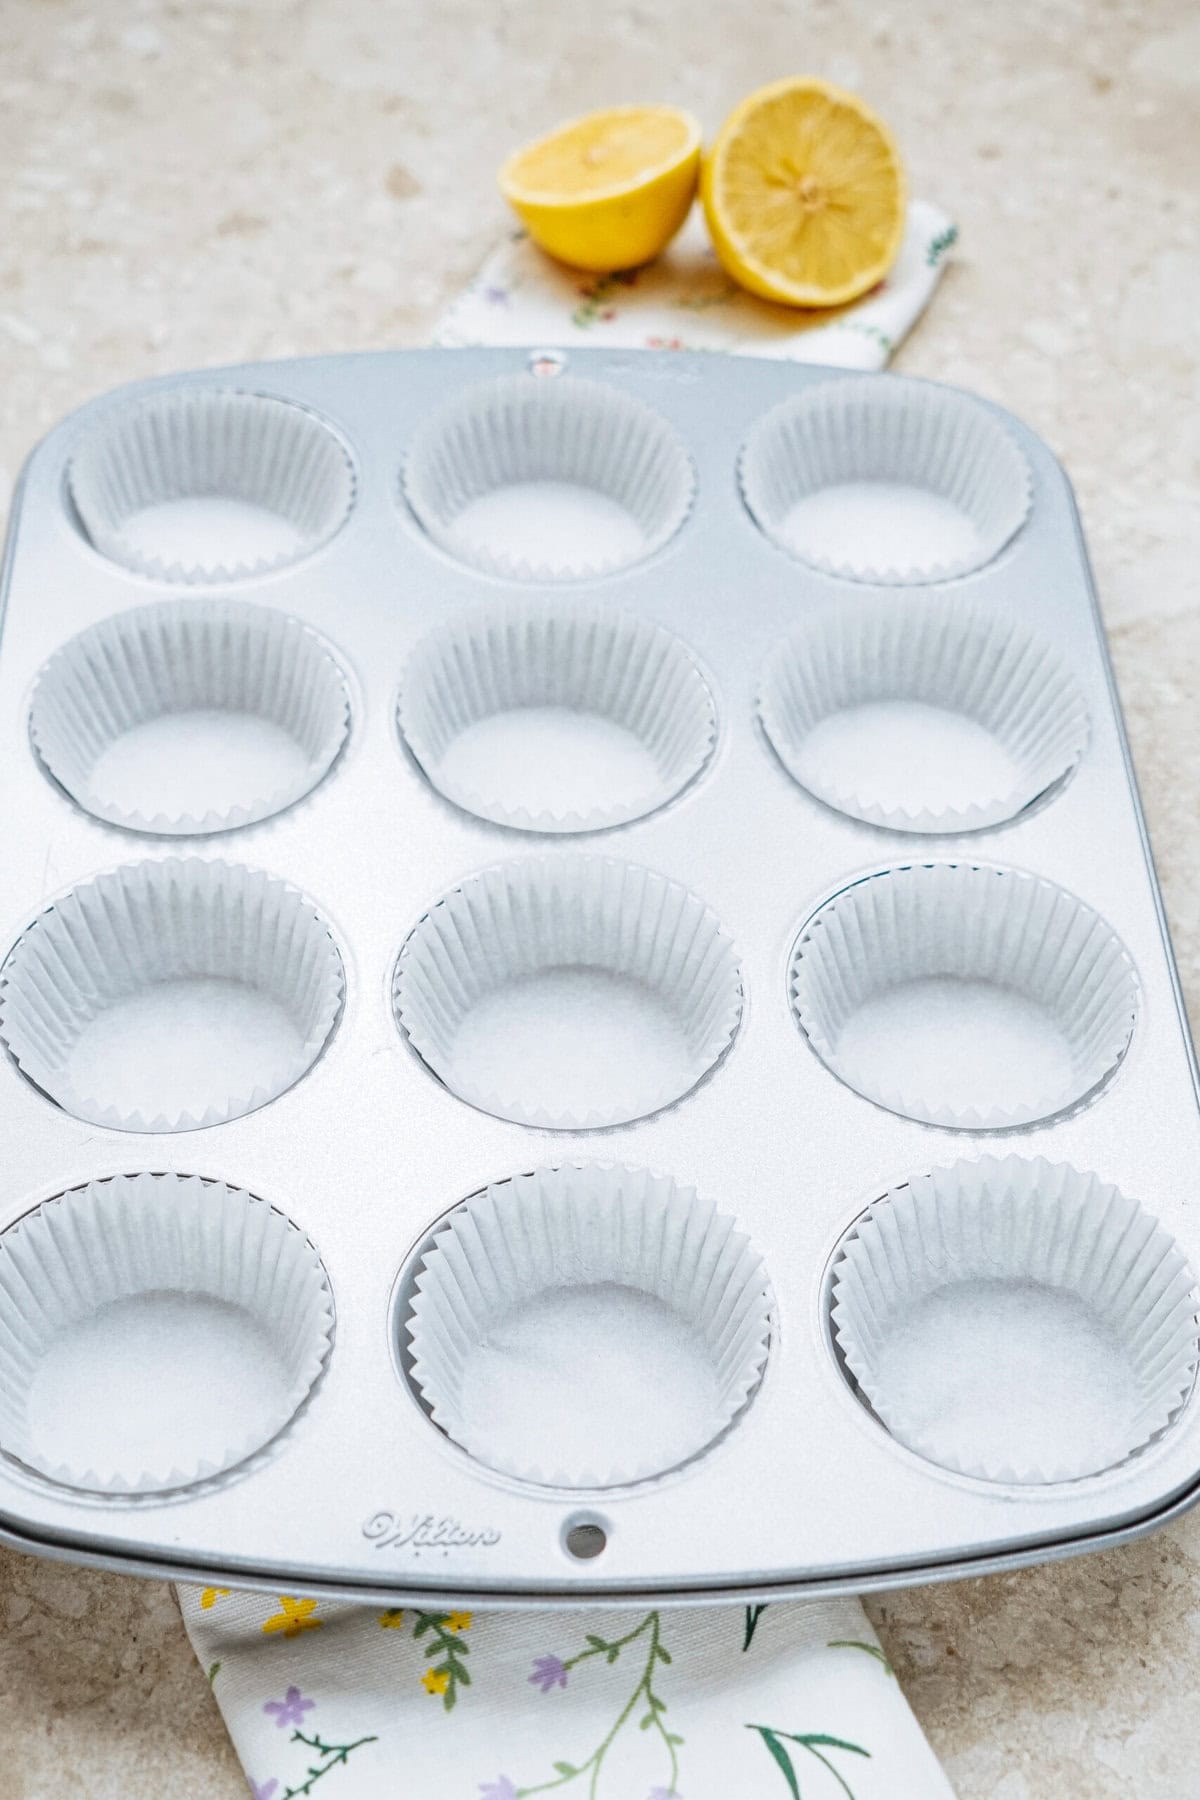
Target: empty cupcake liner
204 485
570 992
879 478
588 1326
169 995
922 713
556 718
971 997
155 1330
548 480
1016 1321
190 717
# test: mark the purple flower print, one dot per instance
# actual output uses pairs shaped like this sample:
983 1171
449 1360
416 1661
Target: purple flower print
291 1709
496 296
500 1789
662 1793
548 1672
264 1790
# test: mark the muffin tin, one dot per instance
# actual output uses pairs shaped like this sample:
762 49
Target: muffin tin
585 1005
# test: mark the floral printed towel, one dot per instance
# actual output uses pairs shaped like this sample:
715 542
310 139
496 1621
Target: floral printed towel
685 301
784 1702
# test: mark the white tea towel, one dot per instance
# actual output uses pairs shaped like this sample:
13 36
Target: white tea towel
685 301
784 1702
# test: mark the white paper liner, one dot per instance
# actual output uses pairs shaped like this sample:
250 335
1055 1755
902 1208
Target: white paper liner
880 478
208 484
970 997
169 995
569 992
922 712
155 1330
588 1326
1016 1321
541 479
556 718
190 717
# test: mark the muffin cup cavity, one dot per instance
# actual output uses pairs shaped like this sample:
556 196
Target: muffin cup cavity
965 996
588 1326
879 478
169 995
922 712
1015 1320
570 992
155 1331
190 717
548 480
209 485
556 718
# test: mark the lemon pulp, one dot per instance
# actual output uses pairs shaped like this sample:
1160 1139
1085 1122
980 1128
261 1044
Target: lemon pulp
804 194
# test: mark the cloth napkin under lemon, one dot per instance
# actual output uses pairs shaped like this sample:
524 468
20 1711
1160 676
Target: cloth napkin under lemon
784 1702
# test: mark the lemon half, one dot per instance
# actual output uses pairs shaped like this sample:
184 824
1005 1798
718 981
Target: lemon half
804 193
609 190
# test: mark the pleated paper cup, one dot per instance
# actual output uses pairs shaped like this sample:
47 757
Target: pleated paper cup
542 479
548 1302
190 717
208 484
920 712
971 997
1016 1321
169 995
569 992
878 478
556 718
155 1331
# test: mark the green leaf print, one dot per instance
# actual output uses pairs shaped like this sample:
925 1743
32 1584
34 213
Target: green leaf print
939 245
550 1672
329 1757
856 1644
815 1743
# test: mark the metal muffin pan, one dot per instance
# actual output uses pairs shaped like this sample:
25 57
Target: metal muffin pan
337 1092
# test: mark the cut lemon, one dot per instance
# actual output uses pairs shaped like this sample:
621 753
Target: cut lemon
804 193
609 190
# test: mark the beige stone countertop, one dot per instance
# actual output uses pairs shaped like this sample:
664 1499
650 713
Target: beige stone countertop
205 183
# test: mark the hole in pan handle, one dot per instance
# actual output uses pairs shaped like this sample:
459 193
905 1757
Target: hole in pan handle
584 1537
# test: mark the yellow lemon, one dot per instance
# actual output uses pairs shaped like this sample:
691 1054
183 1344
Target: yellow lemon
804 194
609 190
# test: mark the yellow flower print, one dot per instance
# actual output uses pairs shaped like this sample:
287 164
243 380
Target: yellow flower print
295 1617
210 1596
458 1621
392 1619
435 1681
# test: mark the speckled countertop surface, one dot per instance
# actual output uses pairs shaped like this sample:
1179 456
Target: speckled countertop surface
208 181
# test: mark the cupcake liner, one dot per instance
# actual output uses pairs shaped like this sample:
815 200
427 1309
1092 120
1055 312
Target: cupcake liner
155 1330
878 478
1016 1321
569 992
548 480
190 717
922 712
206 485
545 1301
170 995
556 718
970 997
